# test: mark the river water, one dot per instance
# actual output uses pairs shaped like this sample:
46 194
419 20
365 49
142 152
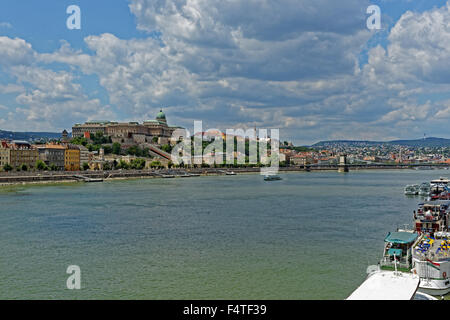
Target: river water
309 236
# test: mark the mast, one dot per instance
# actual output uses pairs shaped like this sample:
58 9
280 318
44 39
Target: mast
395 263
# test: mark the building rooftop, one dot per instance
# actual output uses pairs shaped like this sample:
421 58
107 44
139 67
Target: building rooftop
51 146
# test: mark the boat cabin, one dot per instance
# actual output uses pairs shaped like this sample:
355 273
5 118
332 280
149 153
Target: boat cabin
440 189
432 217
397 251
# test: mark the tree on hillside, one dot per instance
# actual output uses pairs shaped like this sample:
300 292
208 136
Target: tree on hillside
137 164
106 166
80 141
123 165
85 166
99 138
107 149
134 151
155 164
116 148
167 148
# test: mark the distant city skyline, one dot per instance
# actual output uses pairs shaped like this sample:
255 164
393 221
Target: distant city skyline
310 68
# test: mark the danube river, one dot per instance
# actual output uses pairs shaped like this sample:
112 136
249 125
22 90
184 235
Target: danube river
309 236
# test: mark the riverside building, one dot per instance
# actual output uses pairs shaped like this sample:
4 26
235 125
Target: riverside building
53 154
72 158
18 153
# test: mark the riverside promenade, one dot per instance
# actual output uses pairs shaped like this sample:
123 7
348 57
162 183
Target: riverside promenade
8 178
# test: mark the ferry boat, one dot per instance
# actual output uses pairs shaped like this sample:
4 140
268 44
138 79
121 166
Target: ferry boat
440 189
412 190
392 278
441 181
425 189
440 193
271 178
431 251
390 285
432 216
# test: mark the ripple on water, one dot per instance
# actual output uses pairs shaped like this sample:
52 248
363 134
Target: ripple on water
309 236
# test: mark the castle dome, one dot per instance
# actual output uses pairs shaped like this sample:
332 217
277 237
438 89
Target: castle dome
161 115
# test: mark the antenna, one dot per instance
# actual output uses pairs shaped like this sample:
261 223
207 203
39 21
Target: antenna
395 263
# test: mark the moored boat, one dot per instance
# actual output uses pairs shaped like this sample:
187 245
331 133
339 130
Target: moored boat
412 190
425 189
431 251
390 285
431 260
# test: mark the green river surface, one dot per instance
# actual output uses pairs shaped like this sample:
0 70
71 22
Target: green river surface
308 236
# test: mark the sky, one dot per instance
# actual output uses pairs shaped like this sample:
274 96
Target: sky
310 68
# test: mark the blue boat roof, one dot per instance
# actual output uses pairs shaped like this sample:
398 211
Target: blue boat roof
397 252
401 237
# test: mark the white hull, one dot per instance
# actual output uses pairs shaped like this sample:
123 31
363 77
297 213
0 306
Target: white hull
423 296
434 287
432 279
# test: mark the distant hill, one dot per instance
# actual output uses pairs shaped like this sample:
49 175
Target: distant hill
428 142
346 142
28 136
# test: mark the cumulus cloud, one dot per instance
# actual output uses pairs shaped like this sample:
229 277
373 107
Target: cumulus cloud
419 45
46 100
217 58
15 52
292 64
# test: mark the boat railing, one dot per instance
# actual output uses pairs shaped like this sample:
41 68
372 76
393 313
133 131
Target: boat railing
402 263
434 256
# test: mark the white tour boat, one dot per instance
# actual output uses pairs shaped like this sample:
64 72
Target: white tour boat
390 285
431 251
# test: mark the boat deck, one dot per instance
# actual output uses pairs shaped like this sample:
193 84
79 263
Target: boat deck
386 285
433 249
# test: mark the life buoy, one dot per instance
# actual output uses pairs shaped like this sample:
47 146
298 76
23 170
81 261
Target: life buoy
444 274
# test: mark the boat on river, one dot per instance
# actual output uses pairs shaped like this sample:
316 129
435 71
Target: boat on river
440 189
412 190
392 278
390 285
431 251
425 189
271 178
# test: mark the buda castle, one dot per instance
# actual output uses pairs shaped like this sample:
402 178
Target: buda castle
129 133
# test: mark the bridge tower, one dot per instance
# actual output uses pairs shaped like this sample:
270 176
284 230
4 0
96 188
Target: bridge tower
342 163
